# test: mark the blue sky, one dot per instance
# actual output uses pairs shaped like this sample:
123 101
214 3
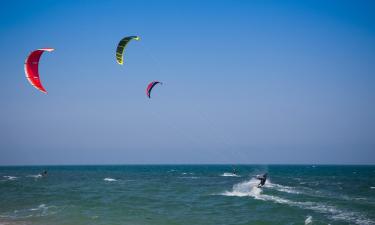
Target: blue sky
244 82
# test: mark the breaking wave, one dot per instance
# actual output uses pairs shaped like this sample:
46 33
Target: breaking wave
109 179
229 175
10 177
308 220
187 173
39 211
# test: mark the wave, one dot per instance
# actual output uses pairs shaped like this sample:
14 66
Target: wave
10 177
308 220
35 176
40 211
247 188
282 188
229 175
109 179
244 187
250 189
40 207
187 173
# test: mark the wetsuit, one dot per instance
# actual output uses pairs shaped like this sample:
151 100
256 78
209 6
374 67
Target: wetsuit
262 180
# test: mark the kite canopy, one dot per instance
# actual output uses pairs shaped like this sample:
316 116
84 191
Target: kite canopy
31 68
121 48
150 86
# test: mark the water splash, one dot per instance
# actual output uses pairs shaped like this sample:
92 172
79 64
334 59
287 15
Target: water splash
250 189
109 179
10 177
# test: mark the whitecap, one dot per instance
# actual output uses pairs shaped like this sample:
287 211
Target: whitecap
372 187
187 173
40 207
39 211
246 188
109 179
35 176
281 188
250 189
10 177
308 220
229 175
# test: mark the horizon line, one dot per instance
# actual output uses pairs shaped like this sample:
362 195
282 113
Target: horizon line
191 164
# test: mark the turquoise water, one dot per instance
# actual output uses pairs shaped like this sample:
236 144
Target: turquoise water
199 194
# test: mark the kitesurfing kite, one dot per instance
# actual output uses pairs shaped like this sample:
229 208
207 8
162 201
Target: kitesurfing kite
31 68
150 86
121 48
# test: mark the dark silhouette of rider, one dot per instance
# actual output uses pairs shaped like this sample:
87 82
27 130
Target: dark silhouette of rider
44 173
262 179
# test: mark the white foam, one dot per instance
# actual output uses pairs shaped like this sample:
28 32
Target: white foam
109 179
10 177
35 176
246 188
250 189
308 220
229 175
372 187
40 207
40 211
281 188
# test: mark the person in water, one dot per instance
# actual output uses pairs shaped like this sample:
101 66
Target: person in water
234 171
262 179
44 173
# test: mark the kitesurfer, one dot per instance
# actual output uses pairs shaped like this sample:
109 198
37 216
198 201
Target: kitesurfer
262 179
44 173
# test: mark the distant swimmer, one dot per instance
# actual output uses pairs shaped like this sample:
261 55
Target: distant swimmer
44 173
262 179
234 171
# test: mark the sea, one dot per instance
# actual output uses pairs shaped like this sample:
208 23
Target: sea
187 195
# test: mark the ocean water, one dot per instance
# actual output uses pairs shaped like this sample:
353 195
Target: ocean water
187 194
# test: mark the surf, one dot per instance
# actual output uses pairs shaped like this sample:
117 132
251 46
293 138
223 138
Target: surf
249 189
108 179
229 175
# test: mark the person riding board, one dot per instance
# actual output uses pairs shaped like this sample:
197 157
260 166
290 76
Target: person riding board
262 179
234 171
44 173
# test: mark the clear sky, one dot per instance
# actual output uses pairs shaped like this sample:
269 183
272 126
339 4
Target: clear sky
244 82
